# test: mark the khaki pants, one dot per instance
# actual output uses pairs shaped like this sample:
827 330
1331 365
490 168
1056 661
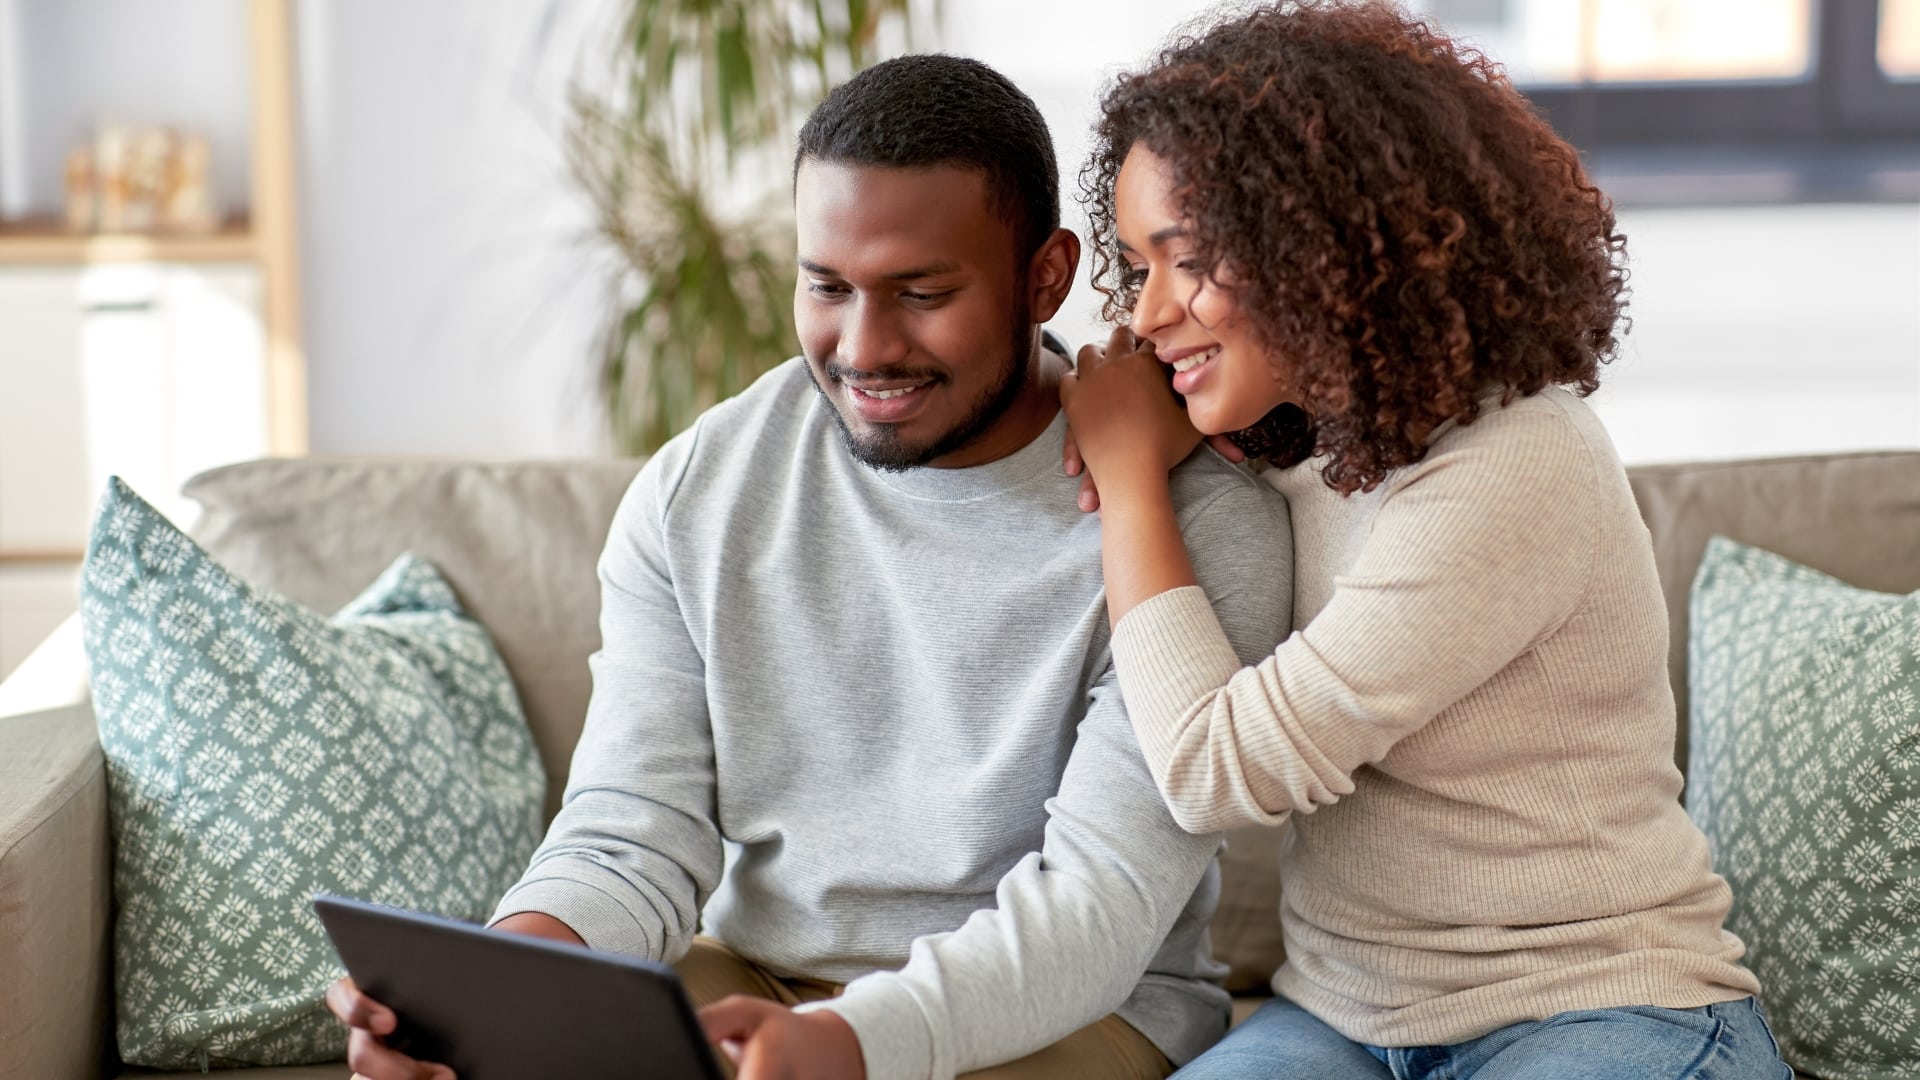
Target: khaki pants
1108 1049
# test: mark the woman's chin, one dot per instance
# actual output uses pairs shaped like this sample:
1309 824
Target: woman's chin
1210 421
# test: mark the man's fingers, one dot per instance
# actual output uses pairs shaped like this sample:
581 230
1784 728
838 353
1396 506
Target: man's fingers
357 1010
760 1061
1122 341
1088 356
735 1017
369 1058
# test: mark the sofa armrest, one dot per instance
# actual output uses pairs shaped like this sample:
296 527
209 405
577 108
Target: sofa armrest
53 676
55 875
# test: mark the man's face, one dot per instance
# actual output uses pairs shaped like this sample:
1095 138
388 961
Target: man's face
911 311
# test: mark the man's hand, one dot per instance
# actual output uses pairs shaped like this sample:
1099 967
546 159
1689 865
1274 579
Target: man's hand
369 1022
768 1041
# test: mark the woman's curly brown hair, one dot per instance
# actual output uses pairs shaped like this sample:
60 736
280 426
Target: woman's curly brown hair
1396 223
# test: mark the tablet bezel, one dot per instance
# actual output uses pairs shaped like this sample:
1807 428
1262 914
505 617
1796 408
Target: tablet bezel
462 993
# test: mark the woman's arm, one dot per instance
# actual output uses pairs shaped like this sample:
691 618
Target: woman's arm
1475 553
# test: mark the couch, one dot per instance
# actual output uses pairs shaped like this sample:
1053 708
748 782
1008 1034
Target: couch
519 541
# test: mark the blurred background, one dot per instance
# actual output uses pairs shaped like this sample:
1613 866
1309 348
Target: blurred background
513 228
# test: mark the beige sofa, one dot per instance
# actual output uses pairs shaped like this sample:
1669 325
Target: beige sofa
519 541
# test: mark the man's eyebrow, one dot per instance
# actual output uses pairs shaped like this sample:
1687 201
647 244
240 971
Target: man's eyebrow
929 270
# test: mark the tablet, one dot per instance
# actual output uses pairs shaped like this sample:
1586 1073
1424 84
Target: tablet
499 1006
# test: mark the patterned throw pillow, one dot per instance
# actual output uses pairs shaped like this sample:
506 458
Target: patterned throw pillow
257 753
1805 775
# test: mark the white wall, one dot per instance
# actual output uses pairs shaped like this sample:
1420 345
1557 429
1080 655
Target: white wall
1768 330
450 296
452 292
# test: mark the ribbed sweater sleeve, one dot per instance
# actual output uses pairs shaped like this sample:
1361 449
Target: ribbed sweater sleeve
1460 574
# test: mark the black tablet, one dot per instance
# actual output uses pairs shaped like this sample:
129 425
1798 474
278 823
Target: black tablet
498 1006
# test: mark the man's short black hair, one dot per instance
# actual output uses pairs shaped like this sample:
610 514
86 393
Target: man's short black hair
928 110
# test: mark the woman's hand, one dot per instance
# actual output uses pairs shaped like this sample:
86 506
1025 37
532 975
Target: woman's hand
1089 500
1124 421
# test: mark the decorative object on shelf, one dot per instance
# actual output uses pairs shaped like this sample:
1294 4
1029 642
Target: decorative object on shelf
79 184
149 151
110 179
188 205
691 191
141 180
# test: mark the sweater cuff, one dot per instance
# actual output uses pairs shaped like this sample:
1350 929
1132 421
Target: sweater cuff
602 922
895 1038
1170 654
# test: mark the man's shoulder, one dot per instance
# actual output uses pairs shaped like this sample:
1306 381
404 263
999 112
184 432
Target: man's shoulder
776 401
760 422
1206 479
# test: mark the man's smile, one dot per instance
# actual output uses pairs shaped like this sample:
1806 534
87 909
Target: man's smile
888 402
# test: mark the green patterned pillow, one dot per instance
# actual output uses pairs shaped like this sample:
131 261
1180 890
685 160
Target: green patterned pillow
258 753
1805 775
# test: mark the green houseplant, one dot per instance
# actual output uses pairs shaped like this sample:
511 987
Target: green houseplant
684 157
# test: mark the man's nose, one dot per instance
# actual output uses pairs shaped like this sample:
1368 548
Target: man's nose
871 340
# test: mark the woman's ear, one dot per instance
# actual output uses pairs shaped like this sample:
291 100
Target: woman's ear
1050 273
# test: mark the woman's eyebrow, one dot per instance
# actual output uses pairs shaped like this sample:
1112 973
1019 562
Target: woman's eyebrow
1171 232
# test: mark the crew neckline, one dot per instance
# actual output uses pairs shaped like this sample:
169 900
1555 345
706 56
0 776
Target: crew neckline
1041 454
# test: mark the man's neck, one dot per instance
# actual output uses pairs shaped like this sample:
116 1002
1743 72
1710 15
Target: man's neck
1024 420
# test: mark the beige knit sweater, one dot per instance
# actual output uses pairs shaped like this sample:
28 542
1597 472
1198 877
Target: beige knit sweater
1472 731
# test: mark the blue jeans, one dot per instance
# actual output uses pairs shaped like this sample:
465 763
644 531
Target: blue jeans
1729 1041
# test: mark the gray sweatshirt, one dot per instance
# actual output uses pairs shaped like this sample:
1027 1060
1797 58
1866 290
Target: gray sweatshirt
864 727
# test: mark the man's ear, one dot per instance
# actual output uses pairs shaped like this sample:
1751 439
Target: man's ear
1050 273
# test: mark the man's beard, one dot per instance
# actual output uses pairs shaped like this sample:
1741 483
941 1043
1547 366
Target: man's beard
882 448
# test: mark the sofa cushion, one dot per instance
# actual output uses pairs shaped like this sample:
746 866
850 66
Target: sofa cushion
1856 516
1246 926
519 543
258 753
1806 780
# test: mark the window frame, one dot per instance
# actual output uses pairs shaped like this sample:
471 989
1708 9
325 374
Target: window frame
1844 132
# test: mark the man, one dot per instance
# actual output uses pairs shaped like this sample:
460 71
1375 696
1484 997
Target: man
854 714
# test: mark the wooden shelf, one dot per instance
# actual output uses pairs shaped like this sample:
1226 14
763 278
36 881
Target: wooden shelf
40 558
28 245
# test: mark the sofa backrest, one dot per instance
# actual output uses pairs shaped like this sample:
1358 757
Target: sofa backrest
1854 516
519 542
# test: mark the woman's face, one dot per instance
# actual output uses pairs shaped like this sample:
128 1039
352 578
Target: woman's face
1226 375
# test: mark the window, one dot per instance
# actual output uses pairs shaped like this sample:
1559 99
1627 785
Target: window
1562 43
1680 101
1899 39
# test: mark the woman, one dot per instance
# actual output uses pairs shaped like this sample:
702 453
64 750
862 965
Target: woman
1354 246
